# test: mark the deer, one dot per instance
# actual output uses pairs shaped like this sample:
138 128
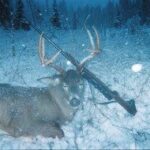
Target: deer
41 111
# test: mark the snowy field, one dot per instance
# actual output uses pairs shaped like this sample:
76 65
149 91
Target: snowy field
94 126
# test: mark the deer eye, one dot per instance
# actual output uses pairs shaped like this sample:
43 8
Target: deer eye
74 102
66 87
81 85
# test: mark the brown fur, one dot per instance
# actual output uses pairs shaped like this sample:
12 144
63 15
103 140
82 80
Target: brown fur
32 111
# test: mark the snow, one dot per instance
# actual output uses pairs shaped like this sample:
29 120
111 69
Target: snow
137 67
123 65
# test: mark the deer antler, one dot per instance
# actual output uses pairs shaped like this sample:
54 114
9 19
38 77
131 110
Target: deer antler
44 60
95 50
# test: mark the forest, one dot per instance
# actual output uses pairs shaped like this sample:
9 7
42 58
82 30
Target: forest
121 14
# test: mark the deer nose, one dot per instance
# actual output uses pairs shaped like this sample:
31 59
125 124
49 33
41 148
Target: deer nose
75 102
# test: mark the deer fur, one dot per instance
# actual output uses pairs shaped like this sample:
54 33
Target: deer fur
32 111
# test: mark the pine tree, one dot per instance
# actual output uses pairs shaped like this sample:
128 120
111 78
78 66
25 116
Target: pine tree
97 16
74 21
63 8
19 21
145 11
63 14
18 15
5 13
38 15
117 19
55 19
110 14
125 10
47 6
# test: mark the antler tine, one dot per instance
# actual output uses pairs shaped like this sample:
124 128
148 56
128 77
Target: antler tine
90 37
97 39
95 47
42 49
50 61
45 61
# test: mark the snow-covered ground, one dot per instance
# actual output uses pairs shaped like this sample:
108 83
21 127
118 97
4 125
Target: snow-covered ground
94 126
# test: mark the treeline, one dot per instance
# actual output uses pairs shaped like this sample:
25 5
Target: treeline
10 18
58 15
116 14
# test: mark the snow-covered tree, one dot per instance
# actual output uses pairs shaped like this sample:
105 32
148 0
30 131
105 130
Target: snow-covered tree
19 21
55 18
133 24
63 8
47 6
145 11
63 14
74 21
38 15
125 9
5 13
18 14
117 18
110 13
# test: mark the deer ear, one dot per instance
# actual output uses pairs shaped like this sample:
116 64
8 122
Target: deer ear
49 80
46 80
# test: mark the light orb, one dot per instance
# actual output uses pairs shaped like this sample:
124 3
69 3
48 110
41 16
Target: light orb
137 67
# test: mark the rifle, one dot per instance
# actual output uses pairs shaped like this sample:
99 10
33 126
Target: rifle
129 106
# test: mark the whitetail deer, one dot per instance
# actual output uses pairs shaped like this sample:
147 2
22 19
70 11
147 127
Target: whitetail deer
32 111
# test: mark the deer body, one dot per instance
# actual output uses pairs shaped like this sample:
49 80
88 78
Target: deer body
32 111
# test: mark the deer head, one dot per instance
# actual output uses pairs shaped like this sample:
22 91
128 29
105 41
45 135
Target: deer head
70 81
